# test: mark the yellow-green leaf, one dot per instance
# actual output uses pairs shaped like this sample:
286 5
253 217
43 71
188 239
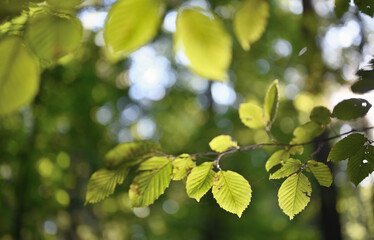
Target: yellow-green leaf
131 24
103 182
222 143
346 147
200 180
290 166
130 153
64 4
181 165
150 184
52 37
201 36
250 21
19 75
307 132
251 115
299 149
294 194
271 103
276 158
321 172
232 192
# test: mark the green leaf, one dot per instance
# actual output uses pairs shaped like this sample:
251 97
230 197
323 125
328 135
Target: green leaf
181 165
52 37
276 158
346 147
290 166
250 21
294 194
296 150
232 192
321 172
363 86
307 132
365 6
200 180
65 4
361 164
251 115
131 153
131 24
351 109
222 143
271 102
320 115
201 35
19 75
103 182
149 185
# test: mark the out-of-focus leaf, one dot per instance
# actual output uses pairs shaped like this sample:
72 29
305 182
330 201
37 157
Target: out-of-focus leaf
271 103
321 172
232 192
131 153
19 75
363 86
222 143
307 132
202 37
52 37
294 194
131 24
361 164
181 165
320 115
346 147
149 185
365 6
103 182
250 21
64 4
351 109
296 150
251 115
290 166
200 180
276 158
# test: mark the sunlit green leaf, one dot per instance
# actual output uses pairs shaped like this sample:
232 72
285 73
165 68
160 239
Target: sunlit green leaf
294 194
131 153
250 21
290 166
222 143
19 75
276 158
150 184
64 4
361 164
296 150
346 147
321 172
251 115
181 165
307 132
320 115
200 180
103 182
271 103
131 24
52 37
232 192
351 109
202 37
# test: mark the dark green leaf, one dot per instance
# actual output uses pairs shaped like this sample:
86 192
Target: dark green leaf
363 86
361 164
346 147
351 109
320 115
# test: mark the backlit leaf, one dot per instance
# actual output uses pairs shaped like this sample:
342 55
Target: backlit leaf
276 158
250 21
271 102
346 147
351 109
19 75
320 115
296 150
307 132
150 184
232 192
290 166
294 194
200 180
202 37
251 115
222 143
181 165
321 172
131 153
361 164
131 24
64 4
103 182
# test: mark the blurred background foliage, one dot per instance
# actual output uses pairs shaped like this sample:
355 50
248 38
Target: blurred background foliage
88 104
